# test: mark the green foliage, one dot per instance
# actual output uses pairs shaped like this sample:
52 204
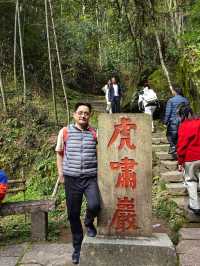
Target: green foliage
158 81
27 139
10 227
189 74
166 208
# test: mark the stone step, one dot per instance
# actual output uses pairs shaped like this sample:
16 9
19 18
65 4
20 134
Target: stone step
189 234
159 140
166 166
161 147
182 202
188 246
159 134
164 156
99 108
172 176
176 189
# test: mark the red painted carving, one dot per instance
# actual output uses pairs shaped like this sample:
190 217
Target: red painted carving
127 177
124 218
123 129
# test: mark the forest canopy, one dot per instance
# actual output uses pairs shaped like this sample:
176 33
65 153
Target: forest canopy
135 40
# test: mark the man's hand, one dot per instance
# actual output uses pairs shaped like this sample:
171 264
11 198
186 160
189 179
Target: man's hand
61 179
60 167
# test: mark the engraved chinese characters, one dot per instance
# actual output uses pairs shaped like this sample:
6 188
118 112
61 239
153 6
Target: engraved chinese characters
127 177
124 159
123 130
124 218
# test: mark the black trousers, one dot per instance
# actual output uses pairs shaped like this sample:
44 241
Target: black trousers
172 135
172 139
116 105
75 188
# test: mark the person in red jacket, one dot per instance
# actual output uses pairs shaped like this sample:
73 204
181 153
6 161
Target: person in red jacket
3 185
188 153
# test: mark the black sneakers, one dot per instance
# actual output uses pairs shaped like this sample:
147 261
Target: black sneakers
195 211
172 150
91 231
76 257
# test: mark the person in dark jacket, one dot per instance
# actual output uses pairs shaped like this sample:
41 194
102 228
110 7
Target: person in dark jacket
77 168
115 95
188 152
171 120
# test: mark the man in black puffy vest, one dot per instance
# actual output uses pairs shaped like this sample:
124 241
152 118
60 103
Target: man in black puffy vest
77 169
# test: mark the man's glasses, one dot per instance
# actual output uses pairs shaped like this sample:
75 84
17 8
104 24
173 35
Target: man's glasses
83 113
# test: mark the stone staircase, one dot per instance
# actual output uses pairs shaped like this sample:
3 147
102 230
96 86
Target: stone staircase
167 168
168 172
98 103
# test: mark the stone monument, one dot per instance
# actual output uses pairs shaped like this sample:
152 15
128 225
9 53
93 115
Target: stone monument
125 180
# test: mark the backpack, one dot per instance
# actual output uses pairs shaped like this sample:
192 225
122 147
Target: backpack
150 97
3 184
66 135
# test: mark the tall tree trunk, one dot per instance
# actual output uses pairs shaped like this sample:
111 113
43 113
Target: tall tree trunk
59 63
134 35
165 70
50 63
3 95
176 15
98 28
83 8
21 49
15 45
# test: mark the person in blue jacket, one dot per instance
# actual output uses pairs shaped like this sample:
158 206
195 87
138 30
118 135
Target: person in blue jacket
171 120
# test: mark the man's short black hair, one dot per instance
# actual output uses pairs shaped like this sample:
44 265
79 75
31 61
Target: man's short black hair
177 89
84 104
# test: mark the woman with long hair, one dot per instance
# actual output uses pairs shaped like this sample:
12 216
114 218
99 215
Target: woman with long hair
106 89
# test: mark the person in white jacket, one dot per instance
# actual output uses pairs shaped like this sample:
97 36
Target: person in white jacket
106 91
148 101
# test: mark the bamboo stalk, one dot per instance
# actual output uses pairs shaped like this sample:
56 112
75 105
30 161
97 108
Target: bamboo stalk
59 62
50 63
21 49
15 45
3 95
